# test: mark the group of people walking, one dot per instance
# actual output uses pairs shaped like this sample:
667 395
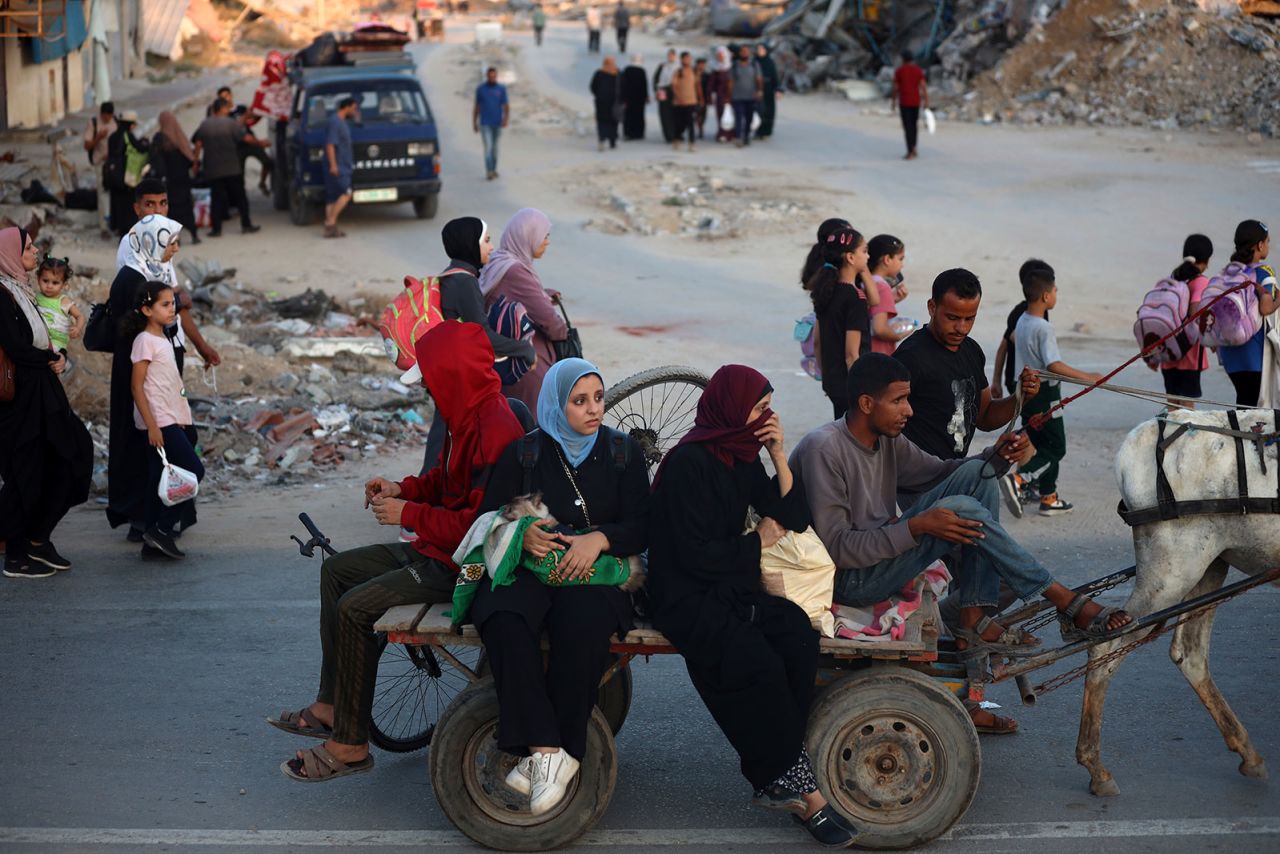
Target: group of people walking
212 158
736 85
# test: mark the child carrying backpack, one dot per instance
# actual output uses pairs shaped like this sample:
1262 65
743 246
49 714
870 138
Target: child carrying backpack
1183 357
1237 317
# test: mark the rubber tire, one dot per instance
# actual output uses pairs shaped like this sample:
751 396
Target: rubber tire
649 379
884 693
614 699
475 710
425 207
300 211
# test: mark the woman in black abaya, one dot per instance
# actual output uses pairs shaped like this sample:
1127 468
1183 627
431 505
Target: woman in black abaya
634 91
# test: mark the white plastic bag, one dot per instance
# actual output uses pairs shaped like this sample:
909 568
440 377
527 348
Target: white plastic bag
726 119
930 121
176 483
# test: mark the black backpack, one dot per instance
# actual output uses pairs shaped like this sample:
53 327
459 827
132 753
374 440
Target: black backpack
531 450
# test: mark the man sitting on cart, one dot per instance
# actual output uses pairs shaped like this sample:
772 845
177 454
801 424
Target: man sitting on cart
358 586
853 469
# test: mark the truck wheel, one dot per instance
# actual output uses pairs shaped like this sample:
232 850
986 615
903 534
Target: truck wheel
897 753
468 773
614 699
424 207
301 212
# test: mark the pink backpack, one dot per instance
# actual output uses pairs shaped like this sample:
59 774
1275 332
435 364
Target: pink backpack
1235 316
1164 309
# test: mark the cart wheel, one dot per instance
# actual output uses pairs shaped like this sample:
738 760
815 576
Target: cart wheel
614 700
468 773
897 753
656 407
414 687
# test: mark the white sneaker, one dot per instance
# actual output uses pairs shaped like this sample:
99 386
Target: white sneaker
519 779
552 773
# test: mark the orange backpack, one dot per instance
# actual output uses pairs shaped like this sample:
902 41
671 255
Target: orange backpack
411 314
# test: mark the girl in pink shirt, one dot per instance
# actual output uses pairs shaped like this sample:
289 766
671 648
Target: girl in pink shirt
886 255
160 407
1182 378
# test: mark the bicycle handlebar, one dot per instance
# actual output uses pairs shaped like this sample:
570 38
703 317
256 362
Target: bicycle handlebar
308 549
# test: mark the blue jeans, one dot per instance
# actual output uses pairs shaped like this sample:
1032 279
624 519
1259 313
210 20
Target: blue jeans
742 114
179 447
489 135
982 565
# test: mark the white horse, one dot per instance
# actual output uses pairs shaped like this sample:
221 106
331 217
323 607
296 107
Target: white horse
1183 558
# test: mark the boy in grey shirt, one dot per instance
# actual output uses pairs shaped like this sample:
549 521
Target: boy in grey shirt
1036 347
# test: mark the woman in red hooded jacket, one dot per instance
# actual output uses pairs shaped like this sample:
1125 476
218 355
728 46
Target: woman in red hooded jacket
358 586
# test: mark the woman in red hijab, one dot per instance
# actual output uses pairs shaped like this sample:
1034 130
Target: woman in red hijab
751 656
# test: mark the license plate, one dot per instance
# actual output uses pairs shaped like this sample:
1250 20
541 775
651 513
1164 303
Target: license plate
382 194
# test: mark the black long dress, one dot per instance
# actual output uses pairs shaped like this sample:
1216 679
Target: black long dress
122 215
46 455
634 92
553 709
169 163
127 482
744 649
604 88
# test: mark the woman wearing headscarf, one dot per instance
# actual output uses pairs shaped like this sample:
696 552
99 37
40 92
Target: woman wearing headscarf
593 481
769 101
752 657
151 245
46 455
721 65
122 147
634 92
510 274
468 244
173 159
604 88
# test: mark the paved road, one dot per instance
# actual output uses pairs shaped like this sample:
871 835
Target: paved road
135 693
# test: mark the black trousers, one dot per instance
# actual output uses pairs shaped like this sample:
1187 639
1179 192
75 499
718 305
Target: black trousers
910 126
537 36
356 588
547 706
667 115
227 193
593 41
1248 387
254 152
760 688
622 40
683 123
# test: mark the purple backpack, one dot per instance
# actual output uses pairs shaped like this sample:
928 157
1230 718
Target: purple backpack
1235 316
1164 309
509 319
803 333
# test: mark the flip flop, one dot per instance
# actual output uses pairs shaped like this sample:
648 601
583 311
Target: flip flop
291 722
1097 627
318 765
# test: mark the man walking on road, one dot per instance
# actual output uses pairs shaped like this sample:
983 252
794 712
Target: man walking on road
593 29
746 87
341 161
488 117
96 134
621 24
539 24
217 140
662 92
910 93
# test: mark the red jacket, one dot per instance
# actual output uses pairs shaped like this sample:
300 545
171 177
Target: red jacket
457 368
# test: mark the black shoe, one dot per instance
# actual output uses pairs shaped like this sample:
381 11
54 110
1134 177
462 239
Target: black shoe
829 828
215 232
251 229
193 238
23 568
134 535
778 798
163 543
46 554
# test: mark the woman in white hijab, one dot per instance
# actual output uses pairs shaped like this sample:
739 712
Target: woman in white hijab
46 455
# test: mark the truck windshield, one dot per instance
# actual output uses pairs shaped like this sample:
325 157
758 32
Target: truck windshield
390 103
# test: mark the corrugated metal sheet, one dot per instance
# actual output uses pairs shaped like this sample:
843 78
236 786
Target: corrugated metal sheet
160 22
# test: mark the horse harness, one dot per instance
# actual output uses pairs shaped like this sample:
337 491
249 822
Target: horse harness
1169 507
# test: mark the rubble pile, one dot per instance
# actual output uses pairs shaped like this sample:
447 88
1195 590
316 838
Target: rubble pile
702 202
304 384
538 112
1166 65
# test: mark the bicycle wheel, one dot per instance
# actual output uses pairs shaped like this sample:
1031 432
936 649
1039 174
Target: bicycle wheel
414 686
656 408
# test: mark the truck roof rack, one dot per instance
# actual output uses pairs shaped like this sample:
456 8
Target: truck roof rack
362 65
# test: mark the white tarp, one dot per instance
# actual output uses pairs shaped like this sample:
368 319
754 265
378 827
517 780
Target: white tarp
161 22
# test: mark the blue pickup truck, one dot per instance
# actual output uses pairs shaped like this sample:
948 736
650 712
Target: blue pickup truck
397 150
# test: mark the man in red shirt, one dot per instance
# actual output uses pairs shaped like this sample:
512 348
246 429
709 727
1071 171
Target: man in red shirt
909 94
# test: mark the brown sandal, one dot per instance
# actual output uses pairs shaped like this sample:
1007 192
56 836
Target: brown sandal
1001 725
293 723
318 765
